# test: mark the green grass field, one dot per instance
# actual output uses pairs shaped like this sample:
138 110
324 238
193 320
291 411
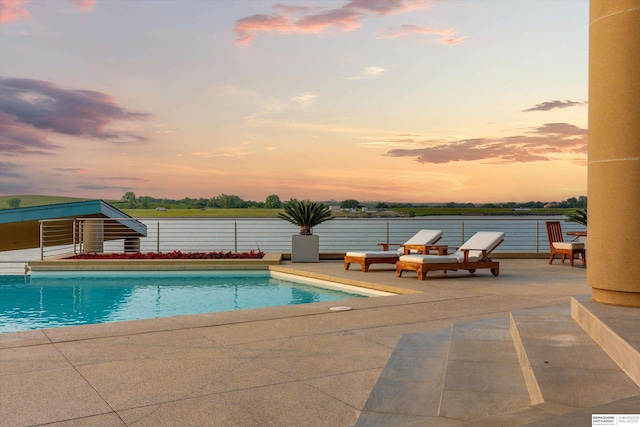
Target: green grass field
33 200
204 213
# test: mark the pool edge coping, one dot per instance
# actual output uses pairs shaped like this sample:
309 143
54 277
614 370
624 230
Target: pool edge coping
269 258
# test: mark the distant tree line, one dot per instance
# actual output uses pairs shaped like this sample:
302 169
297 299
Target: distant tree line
573 202
131 201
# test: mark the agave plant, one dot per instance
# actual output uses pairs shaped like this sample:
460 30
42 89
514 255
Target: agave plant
580 217
305 214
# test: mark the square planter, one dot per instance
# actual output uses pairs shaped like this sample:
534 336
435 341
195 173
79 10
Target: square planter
305 248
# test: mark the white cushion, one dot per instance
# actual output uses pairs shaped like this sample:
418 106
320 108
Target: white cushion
483 240
568 245
422 237
458 257
378 254
425 237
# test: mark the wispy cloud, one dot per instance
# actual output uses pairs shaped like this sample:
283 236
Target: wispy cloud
550 105
369 73
294 19
84 5
304 99
15 10
17 138
264 105
123 178
445 36
103 188
10 170
32 108
543 143
234 152
71 170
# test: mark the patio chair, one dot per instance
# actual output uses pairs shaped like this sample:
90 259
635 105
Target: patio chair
422 242
557 245
472 255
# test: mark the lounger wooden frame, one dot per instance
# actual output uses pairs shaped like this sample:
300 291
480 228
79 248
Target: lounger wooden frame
471 256
365 262
423 268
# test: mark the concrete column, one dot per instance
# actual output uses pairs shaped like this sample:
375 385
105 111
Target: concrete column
613 260
93 236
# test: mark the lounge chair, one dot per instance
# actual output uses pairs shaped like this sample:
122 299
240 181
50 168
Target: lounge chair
422 242
557 245
472 255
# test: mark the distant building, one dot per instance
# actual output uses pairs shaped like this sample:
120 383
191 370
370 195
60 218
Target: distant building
521 209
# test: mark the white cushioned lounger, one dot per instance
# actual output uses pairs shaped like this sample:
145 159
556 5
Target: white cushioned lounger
472 255
420 242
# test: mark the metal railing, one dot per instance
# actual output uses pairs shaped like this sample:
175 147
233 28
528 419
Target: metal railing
81 235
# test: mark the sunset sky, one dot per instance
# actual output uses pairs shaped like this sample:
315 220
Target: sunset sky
374 100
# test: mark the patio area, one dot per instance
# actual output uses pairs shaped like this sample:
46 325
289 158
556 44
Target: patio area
287 366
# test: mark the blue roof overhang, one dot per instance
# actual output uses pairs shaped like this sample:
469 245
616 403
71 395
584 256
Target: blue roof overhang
20 228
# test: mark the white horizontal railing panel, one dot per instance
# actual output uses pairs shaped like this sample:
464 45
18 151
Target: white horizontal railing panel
523 234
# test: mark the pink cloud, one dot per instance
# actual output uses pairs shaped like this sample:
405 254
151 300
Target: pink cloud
13 10
349 17
84 5
448 36
344 19
540 144
245 27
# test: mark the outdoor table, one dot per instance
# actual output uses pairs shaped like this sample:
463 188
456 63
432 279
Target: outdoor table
580 236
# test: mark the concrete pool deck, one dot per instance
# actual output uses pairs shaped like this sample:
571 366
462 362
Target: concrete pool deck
285 366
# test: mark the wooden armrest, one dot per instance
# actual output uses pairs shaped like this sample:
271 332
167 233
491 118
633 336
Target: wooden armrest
385 246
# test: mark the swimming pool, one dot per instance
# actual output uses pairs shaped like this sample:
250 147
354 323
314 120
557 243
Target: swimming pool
51 300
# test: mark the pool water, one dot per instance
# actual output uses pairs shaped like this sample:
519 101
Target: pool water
50 300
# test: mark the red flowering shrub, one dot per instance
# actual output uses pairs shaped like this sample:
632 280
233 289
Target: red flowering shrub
173 255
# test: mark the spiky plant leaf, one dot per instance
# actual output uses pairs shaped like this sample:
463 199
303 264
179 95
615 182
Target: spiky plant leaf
305 214
579 217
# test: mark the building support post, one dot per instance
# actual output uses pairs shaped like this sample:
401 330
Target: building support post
613 269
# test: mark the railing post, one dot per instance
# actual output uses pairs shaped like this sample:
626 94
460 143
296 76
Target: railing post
74 237
79 225
157 237
235 236
387 232
41 241
537 236
462 240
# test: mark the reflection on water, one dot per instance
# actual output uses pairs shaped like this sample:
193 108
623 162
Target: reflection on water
46 302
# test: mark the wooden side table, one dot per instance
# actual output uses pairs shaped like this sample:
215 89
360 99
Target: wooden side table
425 249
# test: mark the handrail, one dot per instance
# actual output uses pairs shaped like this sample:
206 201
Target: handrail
74 235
